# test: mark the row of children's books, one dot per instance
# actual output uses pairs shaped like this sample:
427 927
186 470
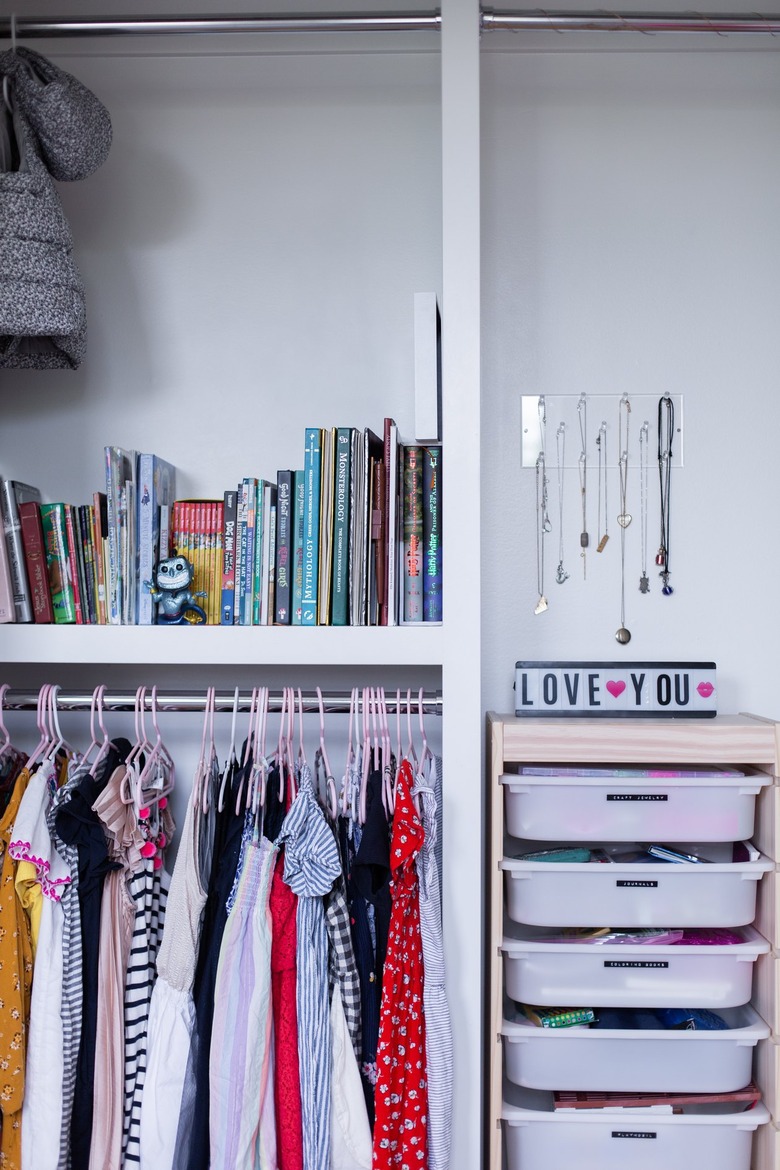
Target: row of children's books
353 537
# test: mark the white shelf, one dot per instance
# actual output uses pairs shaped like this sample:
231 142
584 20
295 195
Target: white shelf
238 645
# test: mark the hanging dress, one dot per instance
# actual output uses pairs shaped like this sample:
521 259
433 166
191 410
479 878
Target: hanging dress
401 1099
311 866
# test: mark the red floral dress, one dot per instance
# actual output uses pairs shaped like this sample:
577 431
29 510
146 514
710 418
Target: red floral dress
401 1093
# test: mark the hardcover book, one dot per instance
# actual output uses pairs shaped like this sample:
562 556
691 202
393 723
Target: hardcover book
13 493
326 525
58 564
432 556
120 472
373 450
297 545
265 562
248 536
100 519
229 559
35 560
156 487
84 535
284 517
311 526
413 533
7 605
340 576
356 530
76 567
389 611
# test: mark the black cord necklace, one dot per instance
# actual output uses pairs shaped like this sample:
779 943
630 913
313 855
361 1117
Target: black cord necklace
665 434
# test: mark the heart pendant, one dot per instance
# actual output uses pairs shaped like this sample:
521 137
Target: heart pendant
541 604
624 519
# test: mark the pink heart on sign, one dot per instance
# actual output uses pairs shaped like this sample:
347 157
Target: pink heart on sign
705 689
616 688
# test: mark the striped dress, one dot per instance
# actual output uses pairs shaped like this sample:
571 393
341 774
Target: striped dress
311 866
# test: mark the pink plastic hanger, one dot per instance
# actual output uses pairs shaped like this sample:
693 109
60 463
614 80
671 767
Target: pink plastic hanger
327 791
43 698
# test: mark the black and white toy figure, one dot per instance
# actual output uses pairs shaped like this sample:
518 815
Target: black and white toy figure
170 589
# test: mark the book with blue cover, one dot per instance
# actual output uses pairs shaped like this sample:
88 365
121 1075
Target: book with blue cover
297 546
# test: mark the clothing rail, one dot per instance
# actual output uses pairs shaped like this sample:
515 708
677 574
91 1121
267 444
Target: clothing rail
523 20
334 702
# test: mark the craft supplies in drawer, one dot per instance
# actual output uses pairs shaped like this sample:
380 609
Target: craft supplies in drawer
646 1059
624 804
720 891
536 1137
702 970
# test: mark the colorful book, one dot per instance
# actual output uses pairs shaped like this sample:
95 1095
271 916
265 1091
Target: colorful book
58 564
156 486
35 561
120 470
297 545
270 602
413 533
432 555
373 450
378 561
265 560
283 558
249 521
13 493
240 555
311 526
340 575
328 451
260 568
388 615
84 535
100 520
77 575
357 519
228 558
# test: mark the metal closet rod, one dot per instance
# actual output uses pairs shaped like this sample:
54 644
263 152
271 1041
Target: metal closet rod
334 702
522 20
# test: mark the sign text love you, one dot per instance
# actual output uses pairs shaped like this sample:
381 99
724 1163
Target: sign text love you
651 690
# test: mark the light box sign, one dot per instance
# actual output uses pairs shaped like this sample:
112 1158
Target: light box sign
645 690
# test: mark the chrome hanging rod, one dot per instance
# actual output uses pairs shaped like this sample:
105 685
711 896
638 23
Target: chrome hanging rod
113 26
522 20
334 702
543 20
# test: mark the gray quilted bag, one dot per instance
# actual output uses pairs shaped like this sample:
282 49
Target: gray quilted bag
42 309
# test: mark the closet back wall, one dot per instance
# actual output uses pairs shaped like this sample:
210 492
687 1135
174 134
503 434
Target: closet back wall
250 250
631 245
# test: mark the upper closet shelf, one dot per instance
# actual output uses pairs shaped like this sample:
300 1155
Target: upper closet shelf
237 645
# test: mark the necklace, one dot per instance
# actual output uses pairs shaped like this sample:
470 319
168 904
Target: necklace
560 443
623 635
582 411
644 581
543 525
665 433
601 443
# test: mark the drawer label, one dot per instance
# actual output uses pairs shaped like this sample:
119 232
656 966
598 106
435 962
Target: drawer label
635 963
637 796
633 882
632 1133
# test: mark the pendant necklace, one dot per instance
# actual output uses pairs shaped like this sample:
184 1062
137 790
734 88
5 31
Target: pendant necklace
560 443
582 410
644 581
543 525
623 635
665 433
601 443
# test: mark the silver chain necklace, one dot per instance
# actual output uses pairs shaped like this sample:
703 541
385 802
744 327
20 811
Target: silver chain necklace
623 635
582 464
560 445
644 430
601 443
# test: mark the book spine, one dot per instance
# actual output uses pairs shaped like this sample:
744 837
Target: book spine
58 567
260 586
219 528
228 558
15 550
297 545
432 557
240 552
248 590
390 443
284 516
413 534
340 577
147 507
35 559
113 600
7 604
311 527
101 552
83 519
77 577
378 536
270 608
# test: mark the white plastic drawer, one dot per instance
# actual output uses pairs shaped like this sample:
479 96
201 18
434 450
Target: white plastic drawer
722 893
536 1138
632 1060
628 975
631 809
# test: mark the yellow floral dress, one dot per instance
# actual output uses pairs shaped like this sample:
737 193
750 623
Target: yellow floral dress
16 971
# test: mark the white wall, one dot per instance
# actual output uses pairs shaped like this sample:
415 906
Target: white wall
631 244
